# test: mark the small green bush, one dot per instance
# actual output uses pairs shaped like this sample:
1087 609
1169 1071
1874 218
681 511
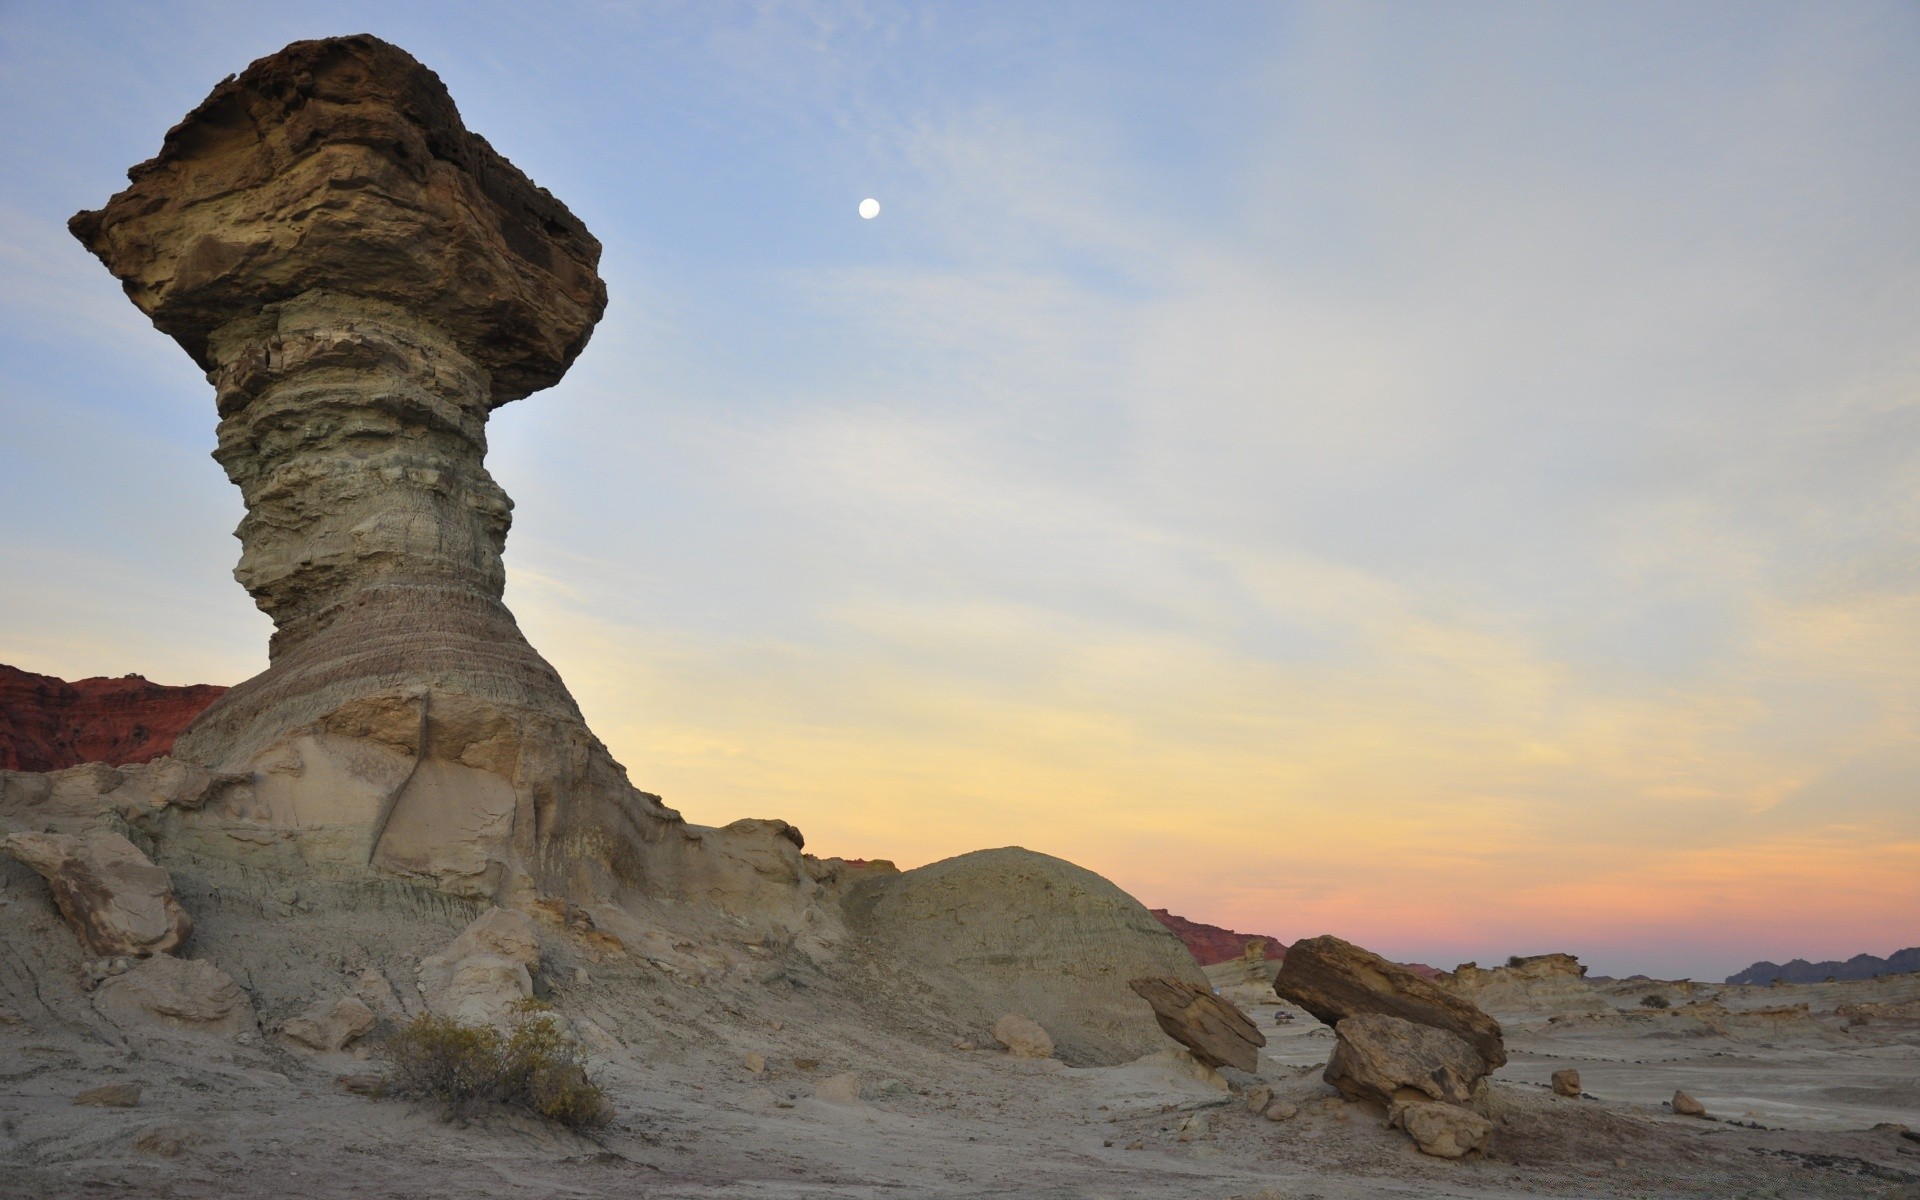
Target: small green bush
1654 1000
467 1067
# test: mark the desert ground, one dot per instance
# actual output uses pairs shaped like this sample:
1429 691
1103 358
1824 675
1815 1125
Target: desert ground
935 1109
206 957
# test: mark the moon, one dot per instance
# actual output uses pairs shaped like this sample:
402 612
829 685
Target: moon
869 208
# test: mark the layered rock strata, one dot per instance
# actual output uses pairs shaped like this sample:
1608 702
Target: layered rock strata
364 281
1335 979
49 724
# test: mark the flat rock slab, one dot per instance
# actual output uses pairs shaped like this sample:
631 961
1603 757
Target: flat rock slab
1334 980
1217 1033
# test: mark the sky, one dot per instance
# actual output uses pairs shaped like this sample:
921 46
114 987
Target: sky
1443 475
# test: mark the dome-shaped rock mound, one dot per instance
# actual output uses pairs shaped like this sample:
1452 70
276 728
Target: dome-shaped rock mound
1012 931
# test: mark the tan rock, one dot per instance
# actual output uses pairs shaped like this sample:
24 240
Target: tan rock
755 1061
364 281
1022 1037
1009 930
1566 1082
168 1141
363 1084
114 898
1442 1130
843 1088
1217 1033
1686 1106
329 1027
1259 1098
1375 1057
1334 980
166 995
1540 984
1281 1110
111 1095
484 973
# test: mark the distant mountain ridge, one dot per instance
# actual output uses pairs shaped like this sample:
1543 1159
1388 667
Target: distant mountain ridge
1860 966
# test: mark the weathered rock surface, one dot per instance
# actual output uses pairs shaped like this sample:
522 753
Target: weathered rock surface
329 1027
1376 1056
113 897
110 1095
1535 986
164 995
364 280
486 971
1022 1037
1442 1130
843 1088
1334 980
1008 930
1566 1082
1217 1033
48 724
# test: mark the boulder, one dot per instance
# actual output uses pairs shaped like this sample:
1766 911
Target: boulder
1334 980
1022 1037
111 1095
1009 930
166 995
1686 1106
1281 1110
484 973
1566 1082
1442 1130
329 1027
1217 1033
113 897
1377 1057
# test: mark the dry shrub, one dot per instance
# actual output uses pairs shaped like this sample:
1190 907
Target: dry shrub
1653 1000
467 1067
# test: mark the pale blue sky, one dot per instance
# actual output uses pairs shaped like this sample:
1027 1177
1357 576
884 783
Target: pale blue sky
1443 474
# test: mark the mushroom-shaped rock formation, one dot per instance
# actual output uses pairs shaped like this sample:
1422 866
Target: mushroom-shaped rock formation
364 281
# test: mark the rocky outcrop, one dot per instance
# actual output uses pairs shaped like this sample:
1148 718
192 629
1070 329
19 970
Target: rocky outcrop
168 997
48 724
364 280
1334 980
486 972
1217 1033
1210 944
329 1027
116 901
1860 966
1378 1058
1535 986
1011 931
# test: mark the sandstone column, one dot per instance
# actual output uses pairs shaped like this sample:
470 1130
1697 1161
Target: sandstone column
364 281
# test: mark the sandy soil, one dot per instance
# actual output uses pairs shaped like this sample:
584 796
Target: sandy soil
1796 1099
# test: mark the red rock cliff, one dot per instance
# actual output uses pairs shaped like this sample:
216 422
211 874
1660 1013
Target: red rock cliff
47 724
1211 944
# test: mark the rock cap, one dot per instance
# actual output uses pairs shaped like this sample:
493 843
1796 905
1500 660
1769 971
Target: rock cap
341 165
